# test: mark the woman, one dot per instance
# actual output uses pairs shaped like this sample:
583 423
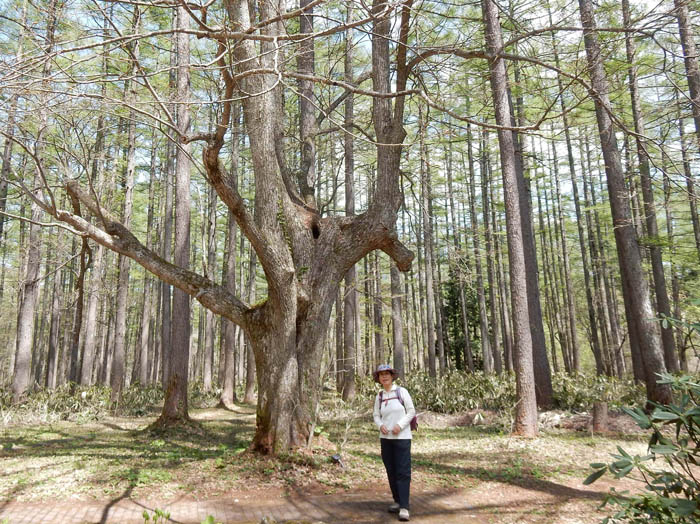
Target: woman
393 412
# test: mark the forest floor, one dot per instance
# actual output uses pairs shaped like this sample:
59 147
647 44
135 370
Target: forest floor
462 472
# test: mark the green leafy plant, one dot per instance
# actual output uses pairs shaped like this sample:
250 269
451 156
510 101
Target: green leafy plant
674 488
578 392
159 516
459 391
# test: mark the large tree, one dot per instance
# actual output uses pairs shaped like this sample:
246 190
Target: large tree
303 255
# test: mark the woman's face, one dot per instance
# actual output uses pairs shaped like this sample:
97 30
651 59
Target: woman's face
385 378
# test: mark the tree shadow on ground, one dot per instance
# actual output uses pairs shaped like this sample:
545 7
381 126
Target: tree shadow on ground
518 476
105 448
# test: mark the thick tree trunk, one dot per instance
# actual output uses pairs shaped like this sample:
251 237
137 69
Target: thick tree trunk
526 410
635 286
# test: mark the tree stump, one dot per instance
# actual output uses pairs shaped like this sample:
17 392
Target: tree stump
600 417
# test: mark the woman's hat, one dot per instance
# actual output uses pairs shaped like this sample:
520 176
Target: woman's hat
385 367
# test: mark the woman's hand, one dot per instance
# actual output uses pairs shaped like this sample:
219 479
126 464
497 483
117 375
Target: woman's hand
396 430
384 430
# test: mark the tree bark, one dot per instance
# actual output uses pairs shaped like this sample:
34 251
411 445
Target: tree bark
397 320
350 296
690 57
428 253
662 303
490 354
210 321
29 285
635 288
526 410
119 359
175 404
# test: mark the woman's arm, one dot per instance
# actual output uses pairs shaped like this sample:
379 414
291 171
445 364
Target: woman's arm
377 413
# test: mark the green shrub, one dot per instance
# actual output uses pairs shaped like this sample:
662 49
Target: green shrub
672 482
455 392
580 391
460 391
73 402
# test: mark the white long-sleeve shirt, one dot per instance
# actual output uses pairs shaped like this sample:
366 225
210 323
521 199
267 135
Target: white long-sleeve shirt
392 412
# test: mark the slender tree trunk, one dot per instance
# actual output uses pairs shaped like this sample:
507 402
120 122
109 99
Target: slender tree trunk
228 389
635 288
54 334
689 183
210 321
675 285
377 309
594 339
29 285
506 326
662 302
228 348
168 184
526 410
550 284
119 359
456 270
76 361
690 57
396 320
175 404
140 372
350 316
570 299
249 395
543 377
428 254
492 256
10 129
489 353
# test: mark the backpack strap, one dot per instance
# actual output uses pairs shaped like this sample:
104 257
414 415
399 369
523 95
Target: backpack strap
398 395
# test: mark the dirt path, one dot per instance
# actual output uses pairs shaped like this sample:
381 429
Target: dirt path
535 502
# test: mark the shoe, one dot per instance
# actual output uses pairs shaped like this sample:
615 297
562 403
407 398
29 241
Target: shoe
394 508
403 515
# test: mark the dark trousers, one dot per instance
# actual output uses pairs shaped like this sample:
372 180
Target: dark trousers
396 455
